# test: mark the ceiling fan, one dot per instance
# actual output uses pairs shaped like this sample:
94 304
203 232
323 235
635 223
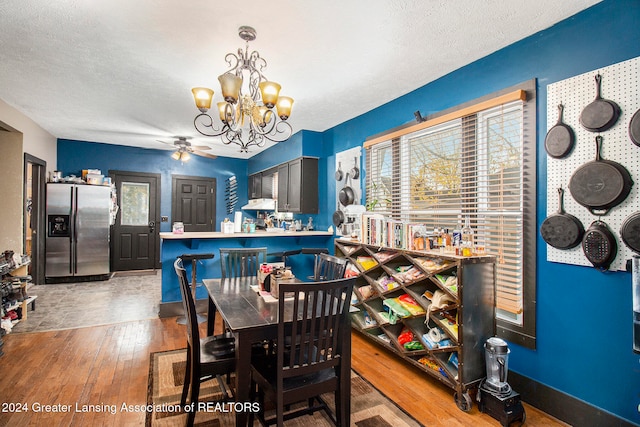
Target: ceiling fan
184 149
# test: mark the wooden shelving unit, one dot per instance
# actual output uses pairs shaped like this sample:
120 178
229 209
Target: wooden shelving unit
387 276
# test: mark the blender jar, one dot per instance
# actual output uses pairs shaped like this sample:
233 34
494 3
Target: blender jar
497 363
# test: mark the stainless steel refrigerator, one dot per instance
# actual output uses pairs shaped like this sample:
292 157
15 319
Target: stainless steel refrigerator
77 244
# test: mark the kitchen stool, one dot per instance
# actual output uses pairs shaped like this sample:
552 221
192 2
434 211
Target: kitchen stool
316 262
193 258
283 255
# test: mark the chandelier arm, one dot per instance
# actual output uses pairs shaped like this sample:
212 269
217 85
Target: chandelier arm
204 121
281 128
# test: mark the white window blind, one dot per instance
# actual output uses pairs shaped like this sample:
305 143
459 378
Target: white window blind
466 167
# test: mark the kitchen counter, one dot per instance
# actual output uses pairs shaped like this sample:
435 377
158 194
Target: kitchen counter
257 234
174 245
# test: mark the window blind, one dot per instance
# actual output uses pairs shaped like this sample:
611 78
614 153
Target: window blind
467 167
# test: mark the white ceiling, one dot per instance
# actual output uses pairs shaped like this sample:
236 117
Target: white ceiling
120 71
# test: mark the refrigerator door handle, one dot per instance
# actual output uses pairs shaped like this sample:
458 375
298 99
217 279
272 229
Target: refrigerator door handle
74 245
72 226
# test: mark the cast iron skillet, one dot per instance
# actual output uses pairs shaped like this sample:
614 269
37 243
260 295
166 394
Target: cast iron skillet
562 230
347 195
560 138
601 184
630 232
599 245
634 128
601 114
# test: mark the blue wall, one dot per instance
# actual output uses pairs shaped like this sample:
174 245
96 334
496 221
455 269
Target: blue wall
583 316
74 156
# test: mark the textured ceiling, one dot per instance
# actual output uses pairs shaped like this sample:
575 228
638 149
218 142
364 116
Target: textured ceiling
120 71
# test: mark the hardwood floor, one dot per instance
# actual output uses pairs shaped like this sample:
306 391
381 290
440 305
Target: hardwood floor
107 366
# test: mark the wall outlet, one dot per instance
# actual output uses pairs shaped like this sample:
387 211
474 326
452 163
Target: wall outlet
164 218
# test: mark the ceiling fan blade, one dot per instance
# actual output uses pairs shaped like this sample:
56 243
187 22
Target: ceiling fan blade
201 147
200 153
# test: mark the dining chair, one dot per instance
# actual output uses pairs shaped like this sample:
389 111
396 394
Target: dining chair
209 357
330 267
241 262
312 359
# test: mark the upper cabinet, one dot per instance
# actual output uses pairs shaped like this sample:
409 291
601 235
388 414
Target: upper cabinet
255 186
261 184
298 186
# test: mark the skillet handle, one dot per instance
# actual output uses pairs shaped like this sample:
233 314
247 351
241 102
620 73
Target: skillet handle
598 212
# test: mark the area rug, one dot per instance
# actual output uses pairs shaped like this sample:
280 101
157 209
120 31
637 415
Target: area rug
369 407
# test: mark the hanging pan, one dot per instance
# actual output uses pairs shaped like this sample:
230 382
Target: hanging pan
634 128
339 172
355 171
601 184
347 195
560 138
601 114
599 245
562 230
338 218
630 232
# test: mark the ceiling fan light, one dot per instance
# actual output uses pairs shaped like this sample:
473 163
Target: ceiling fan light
230 85
269 91
284 106
185 156
175 155
202 96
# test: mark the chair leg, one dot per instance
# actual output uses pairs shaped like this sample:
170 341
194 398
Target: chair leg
195 394
187 380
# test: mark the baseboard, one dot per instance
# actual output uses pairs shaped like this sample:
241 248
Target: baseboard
561 405
172 309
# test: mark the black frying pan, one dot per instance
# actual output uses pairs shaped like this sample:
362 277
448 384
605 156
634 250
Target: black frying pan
338 218
601 114
601 184
347 195
630 232
560 138
634 128
599 245
562 230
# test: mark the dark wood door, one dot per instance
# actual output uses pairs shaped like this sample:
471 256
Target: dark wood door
193 202
134 238
283 185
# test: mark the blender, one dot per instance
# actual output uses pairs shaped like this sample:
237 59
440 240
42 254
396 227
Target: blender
495 395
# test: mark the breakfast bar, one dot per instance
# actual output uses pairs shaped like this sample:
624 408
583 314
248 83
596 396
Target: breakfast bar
174 245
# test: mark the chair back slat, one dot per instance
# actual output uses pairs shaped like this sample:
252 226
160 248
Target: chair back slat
330 268
241 262
314 326
193 334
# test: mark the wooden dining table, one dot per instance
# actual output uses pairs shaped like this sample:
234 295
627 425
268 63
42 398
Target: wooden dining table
253 318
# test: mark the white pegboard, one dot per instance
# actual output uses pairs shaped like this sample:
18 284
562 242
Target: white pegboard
620 84
345 160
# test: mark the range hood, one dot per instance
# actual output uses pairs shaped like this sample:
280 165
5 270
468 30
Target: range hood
260 205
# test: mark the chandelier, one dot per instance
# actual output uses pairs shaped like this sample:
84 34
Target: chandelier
247 115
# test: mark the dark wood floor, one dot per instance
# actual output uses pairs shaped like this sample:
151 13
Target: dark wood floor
108 365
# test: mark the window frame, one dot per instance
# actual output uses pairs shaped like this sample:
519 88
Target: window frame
524 332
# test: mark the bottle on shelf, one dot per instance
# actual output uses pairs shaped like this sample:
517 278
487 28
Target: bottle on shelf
467 238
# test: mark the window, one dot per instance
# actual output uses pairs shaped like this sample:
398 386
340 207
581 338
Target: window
471 164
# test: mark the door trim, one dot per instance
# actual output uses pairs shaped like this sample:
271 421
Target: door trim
39 187
113 174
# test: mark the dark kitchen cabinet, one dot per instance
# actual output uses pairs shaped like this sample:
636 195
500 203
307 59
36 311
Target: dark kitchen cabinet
298 186
255 186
